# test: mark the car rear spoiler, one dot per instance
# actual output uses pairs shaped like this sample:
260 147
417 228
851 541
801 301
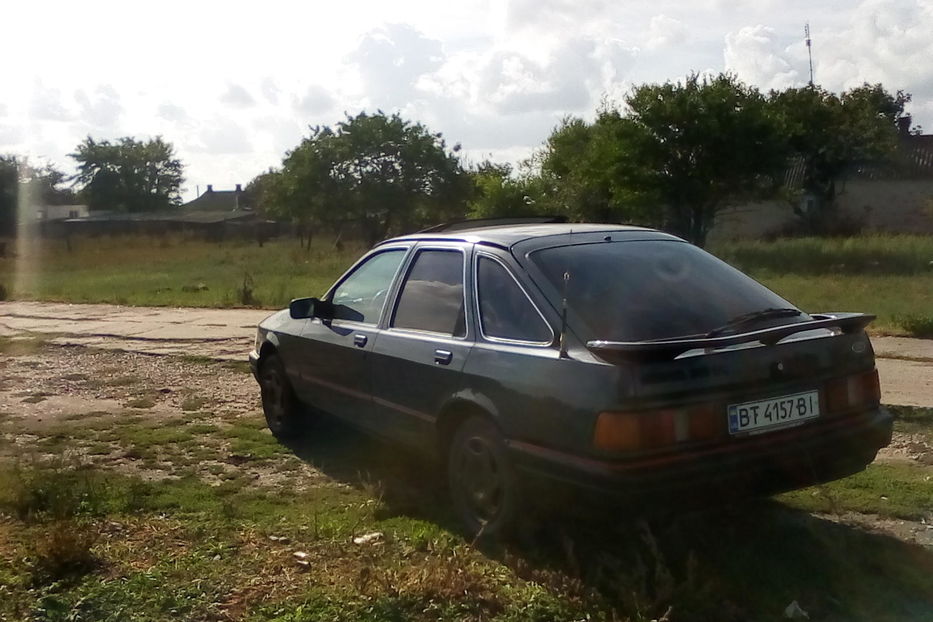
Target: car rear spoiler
668 349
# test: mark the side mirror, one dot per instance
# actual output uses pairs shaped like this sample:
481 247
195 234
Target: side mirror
303 308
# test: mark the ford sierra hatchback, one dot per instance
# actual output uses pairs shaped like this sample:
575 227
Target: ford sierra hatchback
619 359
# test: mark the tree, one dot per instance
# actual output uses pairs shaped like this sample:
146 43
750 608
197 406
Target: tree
832 135
22 184
575 171
676 154
498 193
380 172
128 175
258 193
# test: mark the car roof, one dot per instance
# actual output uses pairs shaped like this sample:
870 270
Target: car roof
508 235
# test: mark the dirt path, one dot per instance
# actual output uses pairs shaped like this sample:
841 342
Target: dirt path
905 365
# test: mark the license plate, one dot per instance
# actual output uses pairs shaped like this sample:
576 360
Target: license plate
777 412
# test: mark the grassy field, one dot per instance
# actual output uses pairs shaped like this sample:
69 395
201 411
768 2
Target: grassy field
890 276
154 510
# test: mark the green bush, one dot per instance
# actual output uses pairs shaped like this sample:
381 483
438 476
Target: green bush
917 325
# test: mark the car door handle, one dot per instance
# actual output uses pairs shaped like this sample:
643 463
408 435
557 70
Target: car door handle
443 357
360 340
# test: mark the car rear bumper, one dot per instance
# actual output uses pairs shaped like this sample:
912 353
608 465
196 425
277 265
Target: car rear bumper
766 464
254 364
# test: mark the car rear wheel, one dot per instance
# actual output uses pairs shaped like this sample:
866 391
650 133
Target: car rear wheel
282 409
482 479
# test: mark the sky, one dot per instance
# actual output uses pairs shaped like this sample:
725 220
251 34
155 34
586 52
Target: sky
234 85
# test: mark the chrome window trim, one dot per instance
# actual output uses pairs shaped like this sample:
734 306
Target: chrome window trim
405 248
400 289
479 314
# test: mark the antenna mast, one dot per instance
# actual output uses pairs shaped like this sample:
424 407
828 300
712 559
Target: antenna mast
806 32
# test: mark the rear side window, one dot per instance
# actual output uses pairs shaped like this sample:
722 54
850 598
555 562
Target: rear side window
432 295
504 309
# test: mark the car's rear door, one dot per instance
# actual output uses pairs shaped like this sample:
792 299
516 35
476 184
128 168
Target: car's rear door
334 356
515 368
417 359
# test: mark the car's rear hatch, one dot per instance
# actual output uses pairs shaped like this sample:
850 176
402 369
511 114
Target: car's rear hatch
712 356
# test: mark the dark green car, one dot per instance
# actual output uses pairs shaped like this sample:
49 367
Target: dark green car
621 359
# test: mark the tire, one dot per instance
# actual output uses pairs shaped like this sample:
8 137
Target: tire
282 409
482 481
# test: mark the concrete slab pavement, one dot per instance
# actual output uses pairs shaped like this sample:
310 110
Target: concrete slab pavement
905 365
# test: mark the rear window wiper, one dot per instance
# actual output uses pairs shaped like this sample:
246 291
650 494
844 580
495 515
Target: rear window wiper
763 314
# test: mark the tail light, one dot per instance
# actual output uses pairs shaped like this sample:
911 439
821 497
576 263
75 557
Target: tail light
853 393
623 431
644 430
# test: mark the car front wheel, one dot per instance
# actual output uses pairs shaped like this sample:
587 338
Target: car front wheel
282 409
482 479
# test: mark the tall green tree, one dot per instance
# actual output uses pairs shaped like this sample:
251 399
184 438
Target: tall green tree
833 135
673 156
576 165
498 192
128 175
380 172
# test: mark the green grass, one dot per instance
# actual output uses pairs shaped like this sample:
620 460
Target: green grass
181 549
884 296
859 255
142 270
890 276
890 490
91 542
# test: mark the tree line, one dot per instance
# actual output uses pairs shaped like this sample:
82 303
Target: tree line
668 155
126 175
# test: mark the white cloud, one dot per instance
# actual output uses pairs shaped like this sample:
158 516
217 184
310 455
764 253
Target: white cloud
391 59
315 101
881 41
756 56
664 31
270 90
223 136
494 75
171 112
237 96
47 105
102 109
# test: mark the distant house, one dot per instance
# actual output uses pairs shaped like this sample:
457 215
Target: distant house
896 197
218 200
215 214
47 213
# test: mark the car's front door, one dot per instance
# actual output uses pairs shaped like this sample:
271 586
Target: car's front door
417 360
334 362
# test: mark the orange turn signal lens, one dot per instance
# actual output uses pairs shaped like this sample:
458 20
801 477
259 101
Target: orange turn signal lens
621 431
617 432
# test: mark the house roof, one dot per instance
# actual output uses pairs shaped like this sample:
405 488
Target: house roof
217 201
913 159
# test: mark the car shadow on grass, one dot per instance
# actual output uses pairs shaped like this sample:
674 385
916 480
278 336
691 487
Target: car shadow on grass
745 561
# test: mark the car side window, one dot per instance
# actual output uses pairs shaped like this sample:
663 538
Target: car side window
505 312
361 295
432 295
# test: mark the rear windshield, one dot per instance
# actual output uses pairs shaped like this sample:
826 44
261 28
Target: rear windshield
652 289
